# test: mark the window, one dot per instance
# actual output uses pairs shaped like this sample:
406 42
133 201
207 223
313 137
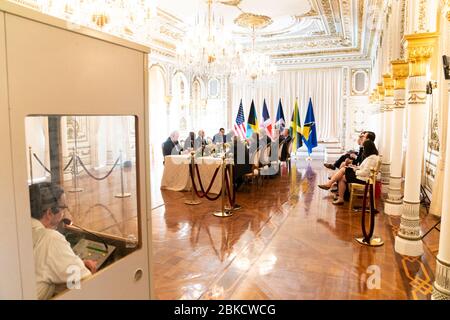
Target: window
359 82
91 162
213 88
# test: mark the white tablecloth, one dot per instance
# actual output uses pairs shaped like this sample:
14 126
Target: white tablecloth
176 173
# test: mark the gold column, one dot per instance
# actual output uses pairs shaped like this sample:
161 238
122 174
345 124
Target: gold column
387 130
380 94
419 48
441 285
393 204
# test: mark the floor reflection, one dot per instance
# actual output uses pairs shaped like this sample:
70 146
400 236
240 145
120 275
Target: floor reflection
287 242
96 208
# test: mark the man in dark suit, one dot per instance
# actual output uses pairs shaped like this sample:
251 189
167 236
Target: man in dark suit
286 139
242 164
171 145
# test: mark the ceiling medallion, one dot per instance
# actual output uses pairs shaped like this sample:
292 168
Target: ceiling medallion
233 3
250 20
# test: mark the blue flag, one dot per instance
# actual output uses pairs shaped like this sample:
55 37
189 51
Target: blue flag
309 129
280 122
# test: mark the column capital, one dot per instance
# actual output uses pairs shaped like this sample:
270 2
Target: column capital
373 98
388 84
400 71
419 48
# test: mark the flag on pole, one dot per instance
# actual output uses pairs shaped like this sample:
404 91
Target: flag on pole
239 127
252 122
309 128
280 122
267 123
296 129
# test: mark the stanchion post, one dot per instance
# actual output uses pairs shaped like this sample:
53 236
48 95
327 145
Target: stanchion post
75 187
233 206
31 164
223 213
369 239
122 194
193 200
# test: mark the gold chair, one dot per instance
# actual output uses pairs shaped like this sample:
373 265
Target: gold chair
357 190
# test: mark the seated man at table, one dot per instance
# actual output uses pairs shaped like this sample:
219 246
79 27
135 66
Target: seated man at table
189 143
284 136
220 137
286 139
171 145
229 137
242 164
200 141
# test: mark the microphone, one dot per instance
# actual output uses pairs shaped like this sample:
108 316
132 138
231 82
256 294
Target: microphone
68 222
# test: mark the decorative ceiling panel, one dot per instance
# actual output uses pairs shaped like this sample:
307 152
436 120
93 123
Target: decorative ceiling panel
296 28
287 30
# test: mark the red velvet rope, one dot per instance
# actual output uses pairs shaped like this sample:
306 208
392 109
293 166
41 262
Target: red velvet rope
203 193
210 184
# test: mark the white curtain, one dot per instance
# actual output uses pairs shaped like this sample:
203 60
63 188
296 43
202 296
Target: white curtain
324 86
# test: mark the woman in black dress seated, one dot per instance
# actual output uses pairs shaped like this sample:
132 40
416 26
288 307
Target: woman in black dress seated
354 174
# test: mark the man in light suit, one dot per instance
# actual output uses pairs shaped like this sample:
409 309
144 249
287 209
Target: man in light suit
200 141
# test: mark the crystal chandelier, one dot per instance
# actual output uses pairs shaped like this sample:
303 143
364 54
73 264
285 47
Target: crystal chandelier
135 20
207 47
255 67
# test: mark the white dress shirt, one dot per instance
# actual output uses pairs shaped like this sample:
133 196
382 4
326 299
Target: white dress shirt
53 260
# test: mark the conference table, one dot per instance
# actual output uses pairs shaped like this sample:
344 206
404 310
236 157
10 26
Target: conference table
176 173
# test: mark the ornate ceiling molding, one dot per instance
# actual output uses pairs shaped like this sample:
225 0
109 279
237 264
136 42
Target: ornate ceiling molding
343 31
250 20
330 30
320 60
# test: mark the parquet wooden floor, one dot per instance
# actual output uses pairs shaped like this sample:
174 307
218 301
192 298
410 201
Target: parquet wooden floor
287 242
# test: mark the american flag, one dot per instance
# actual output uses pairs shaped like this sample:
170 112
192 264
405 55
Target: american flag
239 127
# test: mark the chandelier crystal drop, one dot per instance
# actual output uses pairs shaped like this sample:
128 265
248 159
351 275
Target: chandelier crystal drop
207 47
255 68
